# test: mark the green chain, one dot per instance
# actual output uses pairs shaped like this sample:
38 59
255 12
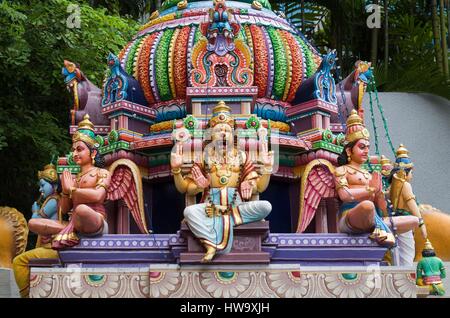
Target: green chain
380 108
377 150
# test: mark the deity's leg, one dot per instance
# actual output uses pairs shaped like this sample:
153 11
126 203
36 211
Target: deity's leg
212 232
404 223
45 227
361 218
254 211
406 248
87 220
22 271
406 244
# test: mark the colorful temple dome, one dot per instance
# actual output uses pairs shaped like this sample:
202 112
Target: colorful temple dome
164 54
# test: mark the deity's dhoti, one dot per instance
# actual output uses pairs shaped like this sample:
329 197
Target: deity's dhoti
406 249
217 231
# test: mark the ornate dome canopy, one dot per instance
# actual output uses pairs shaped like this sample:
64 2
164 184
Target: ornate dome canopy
162 55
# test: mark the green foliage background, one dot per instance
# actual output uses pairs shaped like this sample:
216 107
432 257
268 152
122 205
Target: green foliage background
35 40
34 102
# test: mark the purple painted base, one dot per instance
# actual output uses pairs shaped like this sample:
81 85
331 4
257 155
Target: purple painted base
290 248
246 246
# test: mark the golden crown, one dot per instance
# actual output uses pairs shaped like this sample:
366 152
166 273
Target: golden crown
402 158
355 128
222 115
85 132
428 246
49 173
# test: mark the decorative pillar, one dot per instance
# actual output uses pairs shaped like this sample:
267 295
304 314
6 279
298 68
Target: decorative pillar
316 120
321 218
196 108
123 219
326 122
332 213
122 122
245 108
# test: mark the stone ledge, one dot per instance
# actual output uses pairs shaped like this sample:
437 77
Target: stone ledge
171 281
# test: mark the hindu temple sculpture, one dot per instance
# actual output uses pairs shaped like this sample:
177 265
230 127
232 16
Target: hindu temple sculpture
228 179
359 190
404 204
45 208
83 195
220 158
431 271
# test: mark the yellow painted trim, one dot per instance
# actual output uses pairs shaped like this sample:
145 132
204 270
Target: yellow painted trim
304 179
299 170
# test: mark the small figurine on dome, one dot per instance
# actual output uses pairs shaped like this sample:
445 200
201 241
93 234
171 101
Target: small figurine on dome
228 180
404 205
360 191
220 30
431 271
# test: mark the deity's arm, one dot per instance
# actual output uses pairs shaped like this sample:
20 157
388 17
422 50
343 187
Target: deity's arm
419 270
263 181
185 184
442 269
380 202
345 193
49 209
180 183
410 199
192 187
65 204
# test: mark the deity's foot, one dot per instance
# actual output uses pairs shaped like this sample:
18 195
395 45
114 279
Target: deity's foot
210 252
389 241
378 235
383 238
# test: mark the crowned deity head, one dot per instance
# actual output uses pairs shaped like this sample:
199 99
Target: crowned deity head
428 250
48 181
222 124
356 143
403 165
85 145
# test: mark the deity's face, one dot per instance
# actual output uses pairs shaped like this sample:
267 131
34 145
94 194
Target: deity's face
45 188
222 132
81 154
360 151
409 176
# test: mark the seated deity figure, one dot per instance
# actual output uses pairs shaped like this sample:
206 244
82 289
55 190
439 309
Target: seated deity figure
82 197
364 208
228 179
46 208
404 204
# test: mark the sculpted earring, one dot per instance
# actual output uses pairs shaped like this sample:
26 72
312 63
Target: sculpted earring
349 158
93 160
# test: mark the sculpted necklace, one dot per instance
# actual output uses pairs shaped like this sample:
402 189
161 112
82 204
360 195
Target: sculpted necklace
82 174
365 173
